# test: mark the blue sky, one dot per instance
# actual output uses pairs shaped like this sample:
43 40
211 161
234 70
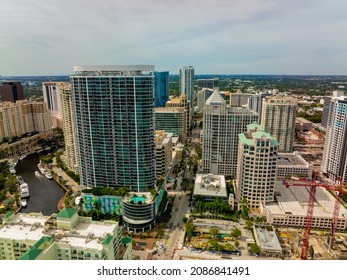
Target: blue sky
45 37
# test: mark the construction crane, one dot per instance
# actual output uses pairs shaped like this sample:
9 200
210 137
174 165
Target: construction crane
313 185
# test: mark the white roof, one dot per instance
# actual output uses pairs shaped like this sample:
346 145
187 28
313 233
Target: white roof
215 98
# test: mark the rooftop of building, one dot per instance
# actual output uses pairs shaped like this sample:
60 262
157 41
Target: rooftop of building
210 185
291 159
267 238
5 104
170 110
255 131
162 137
215 99
114 70
178 99
23 227
241 111
281 98
302 120
139 197
294 201
86 234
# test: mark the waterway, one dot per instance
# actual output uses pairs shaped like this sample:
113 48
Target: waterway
44 194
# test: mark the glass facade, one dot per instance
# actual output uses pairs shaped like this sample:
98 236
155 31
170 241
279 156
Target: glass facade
115 130
161 88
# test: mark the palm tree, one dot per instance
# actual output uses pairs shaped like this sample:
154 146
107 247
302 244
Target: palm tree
97 207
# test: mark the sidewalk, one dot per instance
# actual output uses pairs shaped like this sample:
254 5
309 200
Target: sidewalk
71 183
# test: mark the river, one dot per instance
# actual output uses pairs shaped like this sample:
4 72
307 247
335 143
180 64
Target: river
44 194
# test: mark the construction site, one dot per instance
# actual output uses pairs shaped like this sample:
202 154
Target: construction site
310 219
319 244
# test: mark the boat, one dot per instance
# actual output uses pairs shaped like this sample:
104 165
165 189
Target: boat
37 173
42 170
12 170
48 175
20 179
22 157
24 190
23 202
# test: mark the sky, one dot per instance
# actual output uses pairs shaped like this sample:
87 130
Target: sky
49 37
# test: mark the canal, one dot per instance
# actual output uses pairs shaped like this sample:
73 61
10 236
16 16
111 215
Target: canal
44 194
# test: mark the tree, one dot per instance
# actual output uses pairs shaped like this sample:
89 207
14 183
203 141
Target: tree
255 249
237 243
214 232
189 226
244 209
97 207
215 245
249 224
160 233
235 233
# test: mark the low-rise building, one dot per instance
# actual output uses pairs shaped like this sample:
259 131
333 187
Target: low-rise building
302 124
290 208
62 236
292 164
210 187
267 239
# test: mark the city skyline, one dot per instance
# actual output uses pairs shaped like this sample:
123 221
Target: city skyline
257 37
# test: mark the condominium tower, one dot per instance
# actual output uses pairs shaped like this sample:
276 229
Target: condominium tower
221 127
23 117
334 161
187 82
114 120
70 154
255 101
278 119
51 95
256 166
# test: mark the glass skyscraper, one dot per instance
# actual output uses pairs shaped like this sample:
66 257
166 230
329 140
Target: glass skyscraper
113 110
161 88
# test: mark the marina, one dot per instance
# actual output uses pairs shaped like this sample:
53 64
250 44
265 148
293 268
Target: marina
44 194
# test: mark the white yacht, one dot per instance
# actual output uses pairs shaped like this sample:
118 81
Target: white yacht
24 190
22 157
48 175
23 202
42 170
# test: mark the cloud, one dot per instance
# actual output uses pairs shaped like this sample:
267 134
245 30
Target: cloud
50 37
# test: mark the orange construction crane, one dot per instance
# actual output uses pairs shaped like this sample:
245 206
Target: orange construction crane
313 185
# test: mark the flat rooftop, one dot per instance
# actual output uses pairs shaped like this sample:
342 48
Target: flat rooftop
89 235
267 238
210 185
110 70
23 227
290 159
30 227
294 201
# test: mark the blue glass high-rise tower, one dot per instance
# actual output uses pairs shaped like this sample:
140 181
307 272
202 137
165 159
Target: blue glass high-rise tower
113 112
161 88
